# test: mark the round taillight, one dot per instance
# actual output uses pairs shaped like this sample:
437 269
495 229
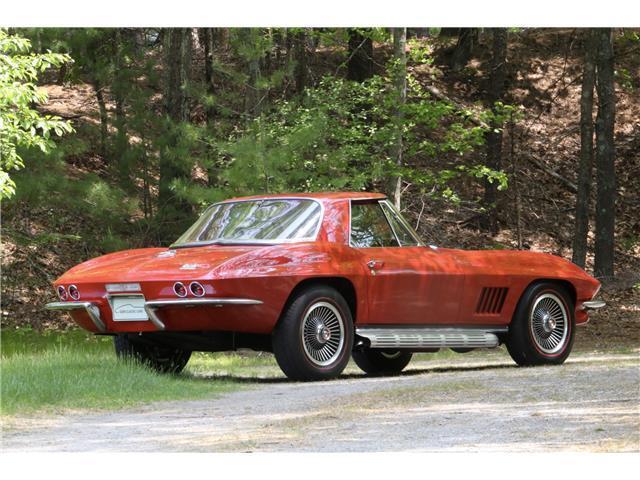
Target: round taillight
196 289
179 289
74 292
62 293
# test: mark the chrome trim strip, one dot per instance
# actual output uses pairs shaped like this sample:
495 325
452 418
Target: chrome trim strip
430 337
386 216
152 305
92 310
399 216
593 305
194 302
404 222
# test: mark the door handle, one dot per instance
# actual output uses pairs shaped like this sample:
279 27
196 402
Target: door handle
375 264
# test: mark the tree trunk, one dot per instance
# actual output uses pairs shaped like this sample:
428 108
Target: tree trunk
400 80
605 157
586 150
253 98
514 181
360 60
177 65
208 39
467 41
104 119
300 71
494 135
177 49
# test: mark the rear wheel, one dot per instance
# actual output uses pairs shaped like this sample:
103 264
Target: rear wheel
315 335
382 362
543 326
161 358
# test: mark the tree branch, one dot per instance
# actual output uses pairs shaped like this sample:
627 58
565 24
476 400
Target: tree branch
567 183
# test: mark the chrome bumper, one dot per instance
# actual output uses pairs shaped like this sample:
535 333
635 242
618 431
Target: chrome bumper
91 308
151 307
593 305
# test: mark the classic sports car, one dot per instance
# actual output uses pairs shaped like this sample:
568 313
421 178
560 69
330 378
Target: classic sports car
317 278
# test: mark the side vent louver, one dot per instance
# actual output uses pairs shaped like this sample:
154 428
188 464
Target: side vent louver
491 300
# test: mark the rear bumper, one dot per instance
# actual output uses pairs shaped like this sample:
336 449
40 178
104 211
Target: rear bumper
593 305
151 307
92 310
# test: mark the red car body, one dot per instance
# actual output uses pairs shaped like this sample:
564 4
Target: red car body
410 286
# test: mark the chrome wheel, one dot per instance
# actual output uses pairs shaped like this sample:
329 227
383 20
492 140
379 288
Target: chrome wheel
549 323
323 333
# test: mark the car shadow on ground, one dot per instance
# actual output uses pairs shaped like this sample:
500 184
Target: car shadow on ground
350 376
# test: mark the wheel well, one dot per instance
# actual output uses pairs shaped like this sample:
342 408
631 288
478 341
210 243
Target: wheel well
571 290
568 286
342 285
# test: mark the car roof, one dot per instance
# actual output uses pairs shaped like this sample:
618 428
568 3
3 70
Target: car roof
318 196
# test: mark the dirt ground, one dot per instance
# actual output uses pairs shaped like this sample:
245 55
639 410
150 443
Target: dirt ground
592 403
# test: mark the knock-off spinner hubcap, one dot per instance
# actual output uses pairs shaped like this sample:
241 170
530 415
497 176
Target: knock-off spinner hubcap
322 332
549 323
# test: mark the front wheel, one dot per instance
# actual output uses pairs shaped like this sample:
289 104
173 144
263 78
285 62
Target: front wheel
382 362
160 358
543 326
314 337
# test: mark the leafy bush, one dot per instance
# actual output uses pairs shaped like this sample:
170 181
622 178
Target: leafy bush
21 126
339 136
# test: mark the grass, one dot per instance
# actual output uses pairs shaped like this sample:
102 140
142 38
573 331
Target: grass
74 370
56 371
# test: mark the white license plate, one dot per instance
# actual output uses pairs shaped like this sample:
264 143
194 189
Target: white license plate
128 308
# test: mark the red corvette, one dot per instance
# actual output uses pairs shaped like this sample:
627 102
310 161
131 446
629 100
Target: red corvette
316 278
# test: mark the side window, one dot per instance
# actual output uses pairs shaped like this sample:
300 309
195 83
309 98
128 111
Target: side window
369 226
406 238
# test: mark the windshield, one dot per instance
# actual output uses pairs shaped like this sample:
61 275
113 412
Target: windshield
255 221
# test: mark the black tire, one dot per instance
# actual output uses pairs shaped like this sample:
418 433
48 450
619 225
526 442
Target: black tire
526 337
160 358
381 362
299 342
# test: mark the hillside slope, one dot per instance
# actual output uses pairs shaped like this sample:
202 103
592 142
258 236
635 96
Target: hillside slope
41 242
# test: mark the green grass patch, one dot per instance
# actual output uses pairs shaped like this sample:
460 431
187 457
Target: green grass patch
236 365
75 370
54 371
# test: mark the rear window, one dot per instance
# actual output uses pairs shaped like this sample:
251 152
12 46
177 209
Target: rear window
255 221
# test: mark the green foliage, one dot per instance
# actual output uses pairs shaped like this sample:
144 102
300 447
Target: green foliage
502 113
46 188
339 136
21 126
624 79
334 135
419 52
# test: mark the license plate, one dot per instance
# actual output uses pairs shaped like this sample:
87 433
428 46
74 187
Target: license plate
128 308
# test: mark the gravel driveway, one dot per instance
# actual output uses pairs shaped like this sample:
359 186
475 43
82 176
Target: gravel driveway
591 403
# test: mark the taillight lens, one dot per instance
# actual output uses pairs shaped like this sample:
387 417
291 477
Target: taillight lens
62 293
73 292
196 289
179 289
